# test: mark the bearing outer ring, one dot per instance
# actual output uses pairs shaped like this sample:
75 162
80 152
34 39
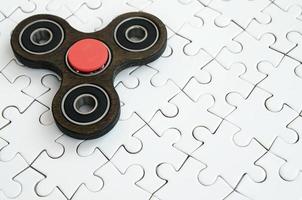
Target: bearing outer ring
30 44
120 34
98 114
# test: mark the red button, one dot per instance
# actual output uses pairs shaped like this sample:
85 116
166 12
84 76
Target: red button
88 55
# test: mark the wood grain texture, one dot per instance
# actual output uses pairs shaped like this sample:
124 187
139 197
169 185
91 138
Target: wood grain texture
120 60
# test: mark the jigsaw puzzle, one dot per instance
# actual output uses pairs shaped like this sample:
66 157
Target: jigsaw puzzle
216 117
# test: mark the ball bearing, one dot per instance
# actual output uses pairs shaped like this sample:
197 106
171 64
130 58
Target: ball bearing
85 104
41 36
136 34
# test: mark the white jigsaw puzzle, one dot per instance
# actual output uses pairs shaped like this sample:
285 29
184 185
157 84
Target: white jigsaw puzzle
216 117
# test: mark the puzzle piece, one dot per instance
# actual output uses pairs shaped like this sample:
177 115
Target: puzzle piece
179 67
120 135
11 6
183 183
35 89
6 53
281 23
249 9
11 95
85 19
9 186
25 135
186 12
52 83
221 83
111 9
200 35
41 8
274 187
29 178
116 185
155 151
253 53
225 159
125 78
256 122
190 115
69 171
295 37
236 196
285 4
72 5
135 100
284 82
292 168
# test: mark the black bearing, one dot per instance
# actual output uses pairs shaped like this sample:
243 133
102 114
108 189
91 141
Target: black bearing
99 111
28 43
146 42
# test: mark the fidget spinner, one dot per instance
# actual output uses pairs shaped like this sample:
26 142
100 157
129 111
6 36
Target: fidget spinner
87 105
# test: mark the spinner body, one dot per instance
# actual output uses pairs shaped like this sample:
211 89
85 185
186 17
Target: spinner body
87 105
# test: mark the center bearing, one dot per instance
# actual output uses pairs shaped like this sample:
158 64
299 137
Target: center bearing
88 56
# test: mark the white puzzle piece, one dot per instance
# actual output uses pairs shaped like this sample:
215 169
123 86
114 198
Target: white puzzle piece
155 151
183 183
26 136
9 186
259 123
222 82
116 185
69 171
221 156
274 187
190 116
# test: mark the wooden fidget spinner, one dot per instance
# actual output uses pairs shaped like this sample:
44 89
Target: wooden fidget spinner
87 105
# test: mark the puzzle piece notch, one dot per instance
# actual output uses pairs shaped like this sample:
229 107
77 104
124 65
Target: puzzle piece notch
274 187
135 100
29 178
126 78
155 151
35 89
253 52
199 35
292 168
221 83
11 6
52 83
179 67
225 159
11 95
182 183
116 185
240 11
282 22
70 170
187 9
72 5
26 125
198 115
284 84
120 136
10 186
266 125
286 4
296 38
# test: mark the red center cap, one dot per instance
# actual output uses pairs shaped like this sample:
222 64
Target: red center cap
88 55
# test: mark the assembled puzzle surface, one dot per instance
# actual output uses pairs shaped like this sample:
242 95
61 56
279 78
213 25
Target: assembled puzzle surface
216 117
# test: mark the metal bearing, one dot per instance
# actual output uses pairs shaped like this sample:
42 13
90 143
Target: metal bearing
89 95
136 34
41 36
